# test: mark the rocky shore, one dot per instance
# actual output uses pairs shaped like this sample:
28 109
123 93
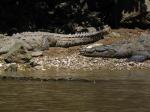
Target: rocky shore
70 58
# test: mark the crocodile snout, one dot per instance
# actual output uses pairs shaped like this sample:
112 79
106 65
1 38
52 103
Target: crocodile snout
89 49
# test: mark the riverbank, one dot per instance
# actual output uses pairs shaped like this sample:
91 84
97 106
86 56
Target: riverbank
69 60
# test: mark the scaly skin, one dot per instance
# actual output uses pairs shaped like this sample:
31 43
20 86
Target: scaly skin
39 41
134 49
63 40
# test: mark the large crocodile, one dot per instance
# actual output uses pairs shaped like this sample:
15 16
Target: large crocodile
60 40
134 49
43 40
39 41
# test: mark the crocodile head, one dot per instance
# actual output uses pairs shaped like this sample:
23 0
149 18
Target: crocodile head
98 50
115 51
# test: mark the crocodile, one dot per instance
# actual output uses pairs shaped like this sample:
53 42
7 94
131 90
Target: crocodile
59 40
39 41
137 49
34 41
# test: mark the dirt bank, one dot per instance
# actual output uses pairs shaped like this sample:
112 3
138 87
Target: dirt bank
68 60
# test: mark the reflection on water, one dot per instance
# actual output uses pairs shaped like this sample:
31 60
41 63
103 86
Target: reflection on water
75 96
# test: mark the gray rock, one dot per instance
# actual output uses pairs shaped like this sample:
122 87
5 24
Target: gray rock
12 68
37 53
17 54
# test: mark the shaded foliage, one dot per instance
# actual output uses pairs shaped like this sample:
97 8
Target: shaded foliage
61 16
56 16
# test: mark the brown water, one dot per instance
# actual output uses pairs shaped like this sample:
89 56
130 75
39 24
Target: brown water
75 96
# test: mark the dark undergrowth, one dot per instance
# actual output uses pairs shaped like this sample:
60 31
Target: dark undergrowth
63 16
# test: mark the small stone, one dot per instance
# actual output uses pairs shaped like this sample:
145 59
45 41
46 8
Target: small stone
33 64
131 64
114 34
17 54
37 53
12 68
1 64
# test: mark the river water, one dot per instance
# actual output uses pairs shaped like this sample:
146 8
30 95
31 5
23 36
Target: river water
75 96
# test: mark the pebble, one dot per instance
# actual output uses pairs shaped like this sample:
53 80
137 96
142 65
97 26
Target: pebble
76 61
1 64
37 53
